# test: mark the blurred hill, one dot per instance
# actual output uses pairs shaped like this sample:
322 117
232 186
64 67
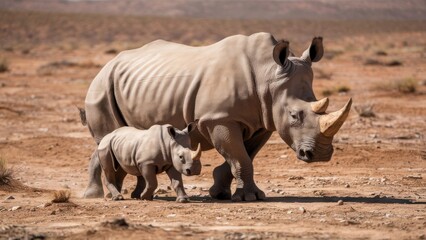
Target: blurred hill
236 9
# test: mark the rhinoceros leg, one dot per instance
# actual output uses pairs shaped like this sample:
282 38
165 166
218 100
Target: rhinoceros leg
222 174
140 186
227 138
177 184
149 173
94 190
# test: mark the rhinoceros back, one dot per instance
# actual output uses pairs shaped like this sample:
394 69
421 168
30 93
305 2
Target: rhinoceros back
165 82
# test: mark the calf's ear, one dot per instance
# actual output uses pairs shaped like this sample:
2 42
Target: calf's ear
315 51
280 52
191 126
171 131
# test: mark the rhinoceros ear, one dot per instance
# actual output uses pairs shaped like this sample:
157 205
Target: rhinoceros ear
281 51
191 126
315 52
171 131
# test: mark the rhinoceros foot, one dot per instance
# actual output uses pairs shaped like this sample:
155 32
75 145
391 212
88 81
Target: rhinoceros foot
220 193
248 195
119 197
94 192
184 199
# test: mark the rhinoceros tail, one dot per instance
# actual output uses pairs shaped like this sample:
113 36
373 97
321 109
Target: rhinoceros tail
82 116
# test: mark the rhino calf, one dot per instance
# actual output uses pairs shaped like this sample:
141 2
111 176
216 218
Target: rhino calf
145 153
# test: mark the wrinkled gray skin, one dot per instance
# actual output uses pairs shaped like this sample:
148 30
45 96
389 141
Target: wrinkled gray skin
146 153
241 89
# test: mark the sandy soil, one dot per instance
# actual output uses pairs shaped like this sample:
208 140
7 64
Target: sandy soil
378 170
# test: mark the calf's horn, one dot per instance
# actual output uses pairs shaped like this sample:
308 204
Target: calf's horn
320 106
196 155
330 123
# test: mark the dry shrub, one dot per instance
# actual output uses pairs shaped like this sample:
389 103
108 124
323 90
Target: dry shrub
327 92
343 89
365 110
61 196
4 65
372 62
111 51
407 85
6 174
381 53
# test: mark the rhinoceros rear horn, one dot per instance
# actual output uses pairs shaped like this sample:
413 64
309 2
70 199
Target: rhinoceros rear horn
320 106
196 155
281 51
330 123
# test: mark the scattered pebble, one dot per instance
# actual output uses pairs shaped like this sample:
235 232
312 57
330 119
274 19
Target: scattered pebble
302 209
340 202
388 215
347 185
10 197
171 215
14 208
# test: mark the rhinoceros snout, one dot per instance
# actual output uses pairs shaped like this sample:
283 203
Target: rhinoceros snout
305 154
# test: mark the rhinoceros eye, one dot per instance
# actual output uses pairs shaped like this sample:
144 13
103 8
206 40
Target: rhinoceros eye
296 117
181 159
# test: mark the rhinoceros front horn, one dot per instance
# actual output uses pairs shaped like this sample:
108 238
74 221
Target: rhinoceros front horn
196 155
330 123
319 106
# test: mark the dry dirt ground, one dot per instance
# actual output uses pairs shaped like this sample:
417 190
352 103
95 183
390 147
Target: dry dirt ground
378 169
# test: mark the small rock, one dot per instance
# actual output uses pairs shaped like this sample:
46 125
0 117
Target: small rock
53 212
340 202
388 215
412 177
347 185
284 156
125 207
10 197
33 209
171 215
44 205
289 212
302 209
14 208
65 186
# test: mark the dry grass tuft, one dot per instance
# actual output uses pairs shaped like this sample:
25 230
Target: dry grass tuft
365 110
61 196
407 85
4 65
6 174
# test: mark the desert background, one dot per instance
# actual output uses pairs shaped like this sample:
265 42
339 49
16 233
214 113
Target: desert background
373 188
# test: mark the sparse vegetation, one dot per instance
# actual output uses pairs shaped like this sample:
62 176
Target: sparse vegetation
365 110
381 53
50 68
6 174
393 63
343 89
61 196
327 92
372 62
407 85
4 65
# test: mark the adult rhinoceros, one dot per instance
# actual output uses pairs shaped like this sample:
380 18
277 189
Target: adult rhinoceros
241 89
